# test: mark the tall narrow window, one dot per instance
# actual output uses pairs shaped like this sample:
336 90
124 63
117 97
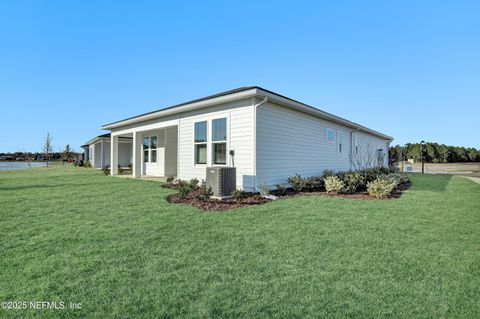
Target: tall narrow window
219 141
340 142
146 145
153 149
200 142
380 156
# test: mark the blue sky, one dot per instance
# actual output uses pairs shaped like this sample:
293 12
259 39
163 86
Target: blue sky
410 69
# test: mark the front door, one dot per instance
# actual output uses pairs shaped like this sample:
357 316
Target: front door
152 158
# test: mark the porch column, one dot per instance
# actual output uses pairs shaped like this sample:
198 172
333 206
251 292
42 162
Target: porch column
136 154
114 155
102 161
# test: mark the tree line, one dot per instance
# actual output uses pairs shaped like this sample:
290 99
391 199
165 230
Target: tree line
47 154
433 153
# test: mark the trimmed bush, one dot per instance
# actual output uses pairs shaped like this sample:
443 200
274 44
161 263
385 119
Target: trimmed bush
238 195
314 184
106 170
296 182
381 187
353 182
333 184
328 172
184 188
170 179
205 192
193 183
280 190
264 190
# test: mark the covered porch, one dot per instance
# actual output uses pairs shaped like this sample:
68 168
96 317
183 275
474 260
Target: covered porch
154 151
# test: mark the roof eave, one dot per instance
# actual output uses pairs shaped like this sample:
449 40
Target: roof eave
319 113
183 108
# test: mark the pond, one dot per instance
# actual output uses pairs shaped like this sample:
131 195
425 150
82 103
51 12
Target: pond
20 165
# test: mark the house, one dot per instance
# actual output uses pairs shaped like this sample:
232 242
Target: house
266 136
97 151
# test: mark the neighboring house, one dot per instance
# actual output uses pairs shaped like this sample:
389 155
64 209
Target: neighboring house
97 151
266 136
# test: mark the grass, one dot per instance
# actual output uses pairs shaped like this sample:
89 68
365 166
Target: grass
117 247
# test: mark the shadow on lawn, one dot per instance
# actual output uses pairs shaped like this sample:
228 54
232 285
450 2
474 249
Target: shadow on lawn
431 182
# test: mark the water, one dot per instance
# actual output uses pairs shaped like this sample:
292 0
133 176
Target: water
20 165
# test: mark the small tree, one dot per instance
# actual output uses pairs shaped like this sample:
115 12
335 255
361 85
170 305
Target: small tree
365 157
68 152
47 147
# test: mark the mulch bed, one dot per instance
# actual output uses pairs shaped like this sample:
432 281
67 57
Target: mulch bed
257 199
215 204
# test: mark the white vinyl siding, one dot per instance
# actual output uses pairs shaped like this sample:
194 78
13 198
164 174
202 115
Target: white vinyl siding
366 151
239 116
290 142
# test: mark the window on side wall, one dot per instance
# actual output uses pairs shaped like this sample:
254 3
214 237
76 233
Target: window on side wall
330 135
380 156
200 142
340 142
219 141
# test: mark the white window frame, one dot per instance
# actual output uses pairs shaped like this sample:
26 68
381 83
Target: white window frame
219 142
201 143
380 156
328 129
340 143
149 149
355 144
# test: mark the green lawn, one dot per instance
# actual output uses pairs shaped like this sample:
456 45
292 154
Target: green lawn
117 247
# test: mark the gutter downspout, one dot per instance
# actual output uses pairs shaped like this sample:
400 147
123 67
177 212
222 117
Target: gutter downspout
254 150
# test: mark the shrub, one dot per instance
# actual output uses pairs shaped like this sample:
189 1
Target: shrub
370 174
106 170
75 163
328 172
184 188
238 195
397 178
381 188
264 190
353 182
170 179
87 164
205 192
120 170
280 190
400 178
333 184
193 183
296 182
314 184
